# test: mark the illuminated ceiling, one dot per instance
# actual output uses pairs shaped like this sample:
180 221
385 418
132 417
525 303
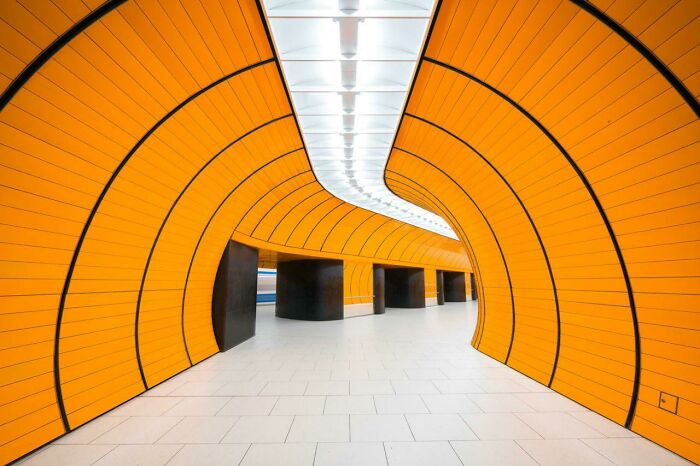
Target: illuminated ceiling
349 65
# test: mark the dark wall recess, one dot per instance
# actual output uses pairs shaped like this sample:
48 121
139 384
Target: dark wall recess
472 283
455 287
378 289
310 290
233 301
440 287
405 287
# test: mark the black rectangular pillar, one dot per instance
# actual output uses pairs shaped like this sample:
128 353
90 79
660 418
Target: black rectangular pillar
378 289
440 287
405 287
455 287
310 290
472 283
233 300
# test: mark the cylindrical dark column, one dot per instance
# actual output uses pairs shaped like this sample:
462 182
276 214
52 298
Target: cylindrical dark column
233 300
440 286
310 290
405 287
472 283
455 287
378 289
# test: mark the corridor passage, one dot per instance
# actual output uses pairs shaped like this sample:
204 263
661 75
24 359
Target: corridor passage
403 388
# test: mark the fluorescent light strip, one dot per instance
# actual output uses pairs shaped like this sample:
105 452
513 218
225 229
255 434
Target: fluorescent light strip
348 65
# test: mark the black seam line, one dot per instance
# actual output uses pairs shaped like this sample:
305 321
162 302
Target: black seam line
469 249
32 68
162 226
264 216
297 205
493 233
388 219
603 215
381 243
335 225
206 227
534 229
269 191
293 229
655 61
308 214
93 212
399 240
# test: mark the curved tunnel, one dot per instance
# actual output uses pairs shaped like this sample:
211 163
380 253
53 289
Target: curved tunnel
558 139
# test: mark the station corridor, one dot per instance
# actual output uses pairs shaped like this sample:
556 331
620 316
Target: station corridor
350 232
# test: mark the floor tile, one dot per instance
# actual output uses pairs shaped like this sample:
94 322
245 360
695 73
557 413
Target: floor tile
492 453
379 428
248 406
209 455
353 404
90 431
347 374
312 375
331 387
241 388
427 427
274 376
299 405
197 389
500 403
457 386
545 402
558 425
259 429
500 386
421 454
387 374
399 404
73 455
563 452
635 452
284 388
424 374
330 428
448 404
350 454
198 406
151 455
499 426
288 454
413 387
208 429
370 387
137 430
145 406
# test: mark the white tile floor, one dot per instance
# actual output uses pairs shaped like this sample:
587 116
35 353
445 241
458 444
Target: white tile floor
404 388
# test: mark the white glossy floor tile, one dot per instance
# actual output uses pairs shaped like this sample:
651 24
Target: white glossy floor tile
327 428
457 386
90 431
492 453
198 406
259 429
74 455
426 427
137 430
330 387
550 402
371 387
635 452
379 428
209 455
603 425
414 387
350 454
151 455
399 404
564 452
500 403
558 426
499 426
143 406
284 388
421 454
207 429
352 404
289 454
248 406
450 404
290 405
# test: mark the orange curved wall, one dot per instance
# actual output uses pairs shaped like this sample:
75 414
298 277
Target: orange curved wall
140 142
560 141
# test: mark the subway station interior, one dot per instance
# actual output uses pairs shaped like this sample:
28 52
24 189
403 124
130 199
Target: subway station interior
350 232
